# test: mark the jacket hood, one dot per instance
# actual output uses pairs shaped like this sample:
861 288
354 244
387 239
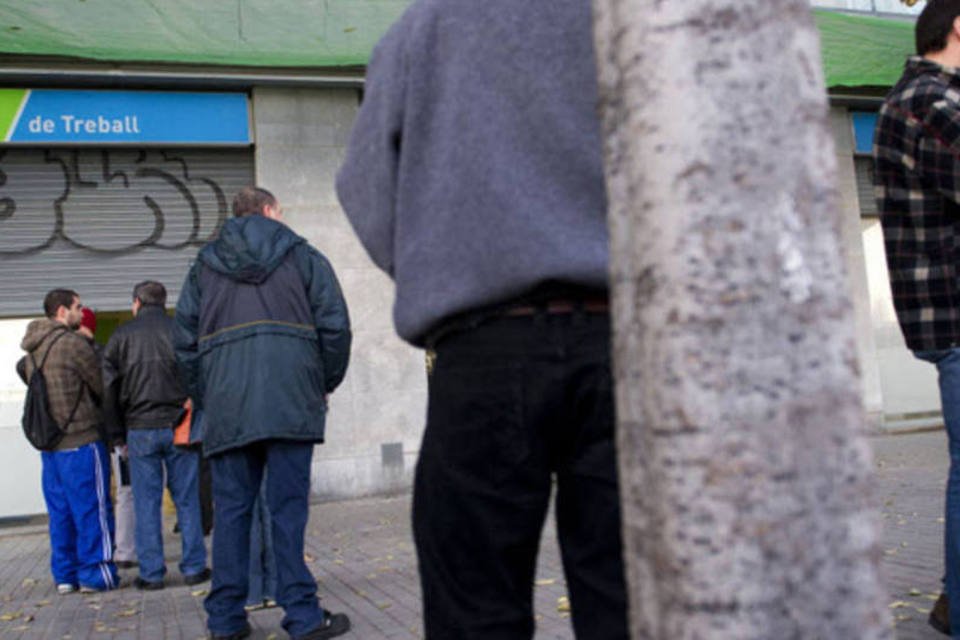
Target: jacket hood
248 249
37 332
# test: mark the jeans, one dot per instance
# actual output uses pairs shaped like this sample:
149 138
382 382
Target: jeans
263 567
947 362
513 404
151 451
237 475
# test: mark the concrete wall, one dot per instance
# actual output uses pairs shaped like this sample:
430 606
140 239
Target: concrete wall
20 492
856 271
899 390
377 416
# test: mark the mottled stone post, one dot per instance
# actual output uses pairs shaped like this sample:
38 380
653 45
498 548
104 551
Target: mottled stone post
744 460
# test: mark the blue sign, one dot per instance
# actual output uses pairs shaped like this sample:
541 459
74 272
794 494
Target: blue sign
864 122
111 117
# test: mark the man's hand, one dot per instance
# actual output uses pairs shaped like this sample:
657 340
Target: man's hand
121 450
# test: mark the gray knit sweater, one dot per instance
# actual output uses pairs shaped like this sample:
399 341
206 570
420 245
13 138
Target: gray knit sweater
474 168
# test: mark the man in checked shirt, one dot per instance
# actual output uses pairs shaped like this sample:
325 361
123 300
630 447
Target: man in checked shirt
917 183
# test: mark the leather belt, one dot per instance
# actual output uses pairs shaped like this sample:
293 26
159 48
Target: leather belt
560 306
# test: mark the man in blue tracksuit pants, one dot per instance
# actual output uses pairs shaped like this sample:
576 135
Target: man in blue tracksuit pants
262 336
76 475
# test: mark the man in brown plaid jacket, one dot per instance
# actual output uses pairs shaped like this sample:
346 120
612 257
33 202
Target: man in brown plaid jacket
917 154
76 475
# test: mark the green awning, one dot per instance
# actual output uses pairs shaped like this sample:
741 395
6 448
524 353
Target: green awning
262 33
863 51
858 51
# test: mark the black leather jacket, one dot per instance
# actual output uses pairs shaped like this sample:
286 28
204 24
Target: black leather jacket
142 389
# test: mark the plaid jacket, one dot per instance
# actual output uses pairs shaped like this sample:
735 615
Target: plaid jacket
73 379
917 185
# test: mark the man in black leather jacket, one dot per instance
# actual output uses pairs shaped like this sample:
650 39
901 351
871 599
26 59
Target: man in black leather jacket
143 402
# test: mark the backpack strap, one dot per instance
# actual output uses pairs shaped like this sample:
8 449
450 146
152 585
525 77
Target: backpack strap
47 353
76 405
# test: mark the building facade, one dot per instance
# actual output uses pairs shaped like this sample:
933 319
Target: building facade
118 161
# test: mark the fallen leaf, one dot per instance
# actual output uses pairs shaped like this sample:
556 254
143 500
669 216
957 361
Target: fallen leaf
308 558
6 617
28 581
385 605
126 613
915 592
563 604
28 618
899 604
545 582
199 593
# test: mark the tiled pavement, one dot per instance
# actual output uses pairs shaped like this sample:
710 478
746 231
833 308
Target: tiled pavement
362 554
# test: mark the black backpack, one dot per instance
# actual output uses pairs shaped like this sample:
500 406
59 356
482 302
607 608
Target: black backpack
39 426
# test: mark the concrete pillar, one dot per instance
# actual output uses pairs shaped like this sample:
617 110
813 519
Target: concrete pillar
377 416
852 241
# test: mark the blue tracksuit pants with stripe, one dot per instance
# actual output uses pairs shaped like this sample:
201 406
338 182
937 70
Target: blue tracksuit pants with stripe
76 487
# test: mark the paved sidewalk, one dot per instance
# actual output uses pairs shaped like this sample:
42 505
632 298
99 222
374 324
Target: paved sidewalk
360 551
912 475
362 554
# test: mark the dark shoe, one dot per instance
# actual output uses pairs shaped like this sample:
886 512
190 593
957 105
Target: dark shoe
126 564
197 578
146 585
238 635
940 615
334 624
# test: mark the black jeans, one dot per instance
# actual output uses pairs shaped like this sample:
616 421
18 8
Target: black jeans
512 404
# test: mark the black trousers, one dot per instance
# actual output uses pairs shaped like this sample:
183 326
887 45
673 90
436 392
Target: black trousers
514 404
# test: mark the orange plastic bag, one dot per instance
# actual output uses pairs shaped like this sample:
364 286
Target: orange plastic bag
181 432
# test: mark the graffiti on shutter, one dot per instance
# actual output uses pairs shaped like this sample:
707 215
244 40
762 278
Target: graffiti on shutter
108 201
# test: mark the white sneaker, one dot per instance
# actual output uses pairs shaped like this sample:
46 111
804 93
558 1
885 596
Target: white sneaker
65 588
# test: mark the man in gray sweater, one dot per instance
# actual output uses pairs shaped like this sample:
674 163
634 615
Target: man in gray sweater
474 179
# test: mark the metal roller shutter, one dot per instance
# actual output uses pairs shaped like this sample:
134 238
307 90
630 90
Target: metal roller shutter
101 220
868 201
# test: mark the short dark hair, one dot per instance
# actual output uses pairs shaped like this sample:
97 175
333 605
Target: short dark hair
150 292
934 25
250 201
56 299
